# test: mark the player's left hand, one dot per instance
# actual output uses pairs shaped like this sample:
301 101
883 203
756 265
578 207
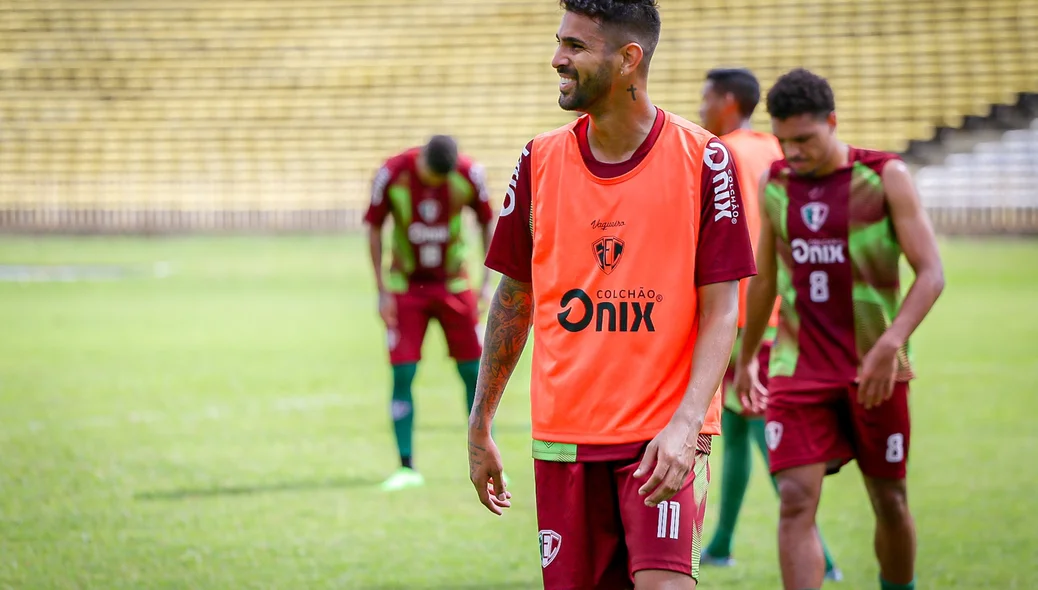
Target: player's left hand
674 452
877 373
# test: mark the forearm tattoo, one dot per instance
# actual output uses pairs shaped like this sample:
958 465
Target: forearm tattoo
508 326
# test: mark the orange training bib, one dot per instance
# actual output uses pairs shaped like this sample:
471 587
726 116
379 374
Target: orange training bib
616 311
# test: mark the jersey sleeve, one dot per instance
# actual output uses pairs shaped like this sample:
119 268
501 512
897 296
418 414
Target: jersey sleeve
378 207
724 252
511 250
477 176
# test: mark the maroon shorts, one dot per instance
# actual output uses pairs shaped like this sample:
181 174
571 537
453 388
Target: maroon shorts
596 531
458 314
830 426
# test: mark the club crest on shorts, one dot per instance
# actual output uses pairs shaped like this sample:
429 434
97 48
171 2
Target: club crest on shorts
773 434
608 251
814 215
550 544
429 209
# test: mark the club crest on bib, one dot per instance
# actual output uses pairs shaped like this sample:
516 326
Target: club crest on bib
550 544
608 251
814 215
429 209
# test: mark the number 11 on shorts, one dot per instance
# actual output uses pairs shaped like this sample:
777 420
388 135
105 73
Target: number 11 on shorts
673 510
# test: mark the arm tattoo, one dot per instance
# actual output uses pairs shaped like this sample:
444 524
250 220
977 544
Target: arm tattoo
475 454
508 325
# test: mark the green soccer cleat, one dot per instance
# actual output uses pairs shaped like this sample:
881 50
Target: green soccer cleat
403 478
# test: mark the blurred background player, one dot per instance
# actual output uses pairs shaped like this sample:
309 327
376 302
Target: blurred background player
730 95
620 449
425 191
835 222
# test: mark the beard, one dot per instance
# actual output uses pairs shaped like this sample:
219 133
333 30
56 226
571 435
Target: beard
587 90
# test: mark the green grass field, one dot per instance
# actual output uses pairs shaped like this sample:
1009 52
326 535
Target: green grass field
226 427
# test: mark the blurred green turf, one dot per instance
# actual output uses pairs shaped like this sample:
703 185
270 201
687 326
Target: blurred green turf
226 427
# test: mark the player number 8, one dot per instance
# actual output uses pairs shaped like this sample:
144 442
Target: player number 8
819 286
430 255
895 448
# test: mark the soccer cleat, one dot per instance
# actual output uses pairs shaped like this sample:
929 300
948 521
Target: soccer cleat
403 478
707 559
834 575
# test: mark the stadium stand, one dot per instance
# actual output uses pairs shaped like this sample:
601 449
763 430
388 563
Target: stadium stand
994 185
273 114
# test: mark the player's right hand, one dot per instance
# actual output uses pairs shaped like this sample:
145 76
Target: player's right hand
751 392
387 309
485 472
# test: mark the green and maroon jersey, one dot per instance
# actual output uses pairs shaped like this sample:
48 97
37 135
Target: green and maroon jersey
838 271
428 246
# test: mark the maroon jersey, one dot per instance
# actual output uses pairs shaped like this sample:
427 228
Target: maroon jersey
837 271
427 229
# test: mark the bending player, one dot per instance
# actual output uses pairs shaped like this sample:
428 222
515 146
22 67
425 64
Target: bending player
729 98
621 240
425 190
835 220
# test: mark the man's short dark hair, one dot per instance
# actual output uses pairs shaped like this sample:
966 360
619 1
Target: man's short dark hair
634 20
441 154
800 92
741 83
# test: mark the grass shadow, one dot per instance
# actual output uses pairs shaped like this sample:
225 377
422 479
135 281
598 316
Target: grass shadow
468 586
461 426
246 490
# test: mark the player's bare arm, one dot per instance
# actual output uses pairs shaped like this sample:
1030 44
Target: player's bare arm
508 326
916 236
477 176
760 301
386 304
487 234
674 448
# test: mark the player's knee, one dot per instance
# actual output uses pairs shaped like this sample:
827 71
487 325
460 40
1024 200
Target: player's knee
890 501
663 580
798 499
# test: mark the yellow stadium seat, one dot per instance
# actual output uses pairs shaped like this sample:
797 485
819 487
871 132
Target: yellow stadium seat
291 105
